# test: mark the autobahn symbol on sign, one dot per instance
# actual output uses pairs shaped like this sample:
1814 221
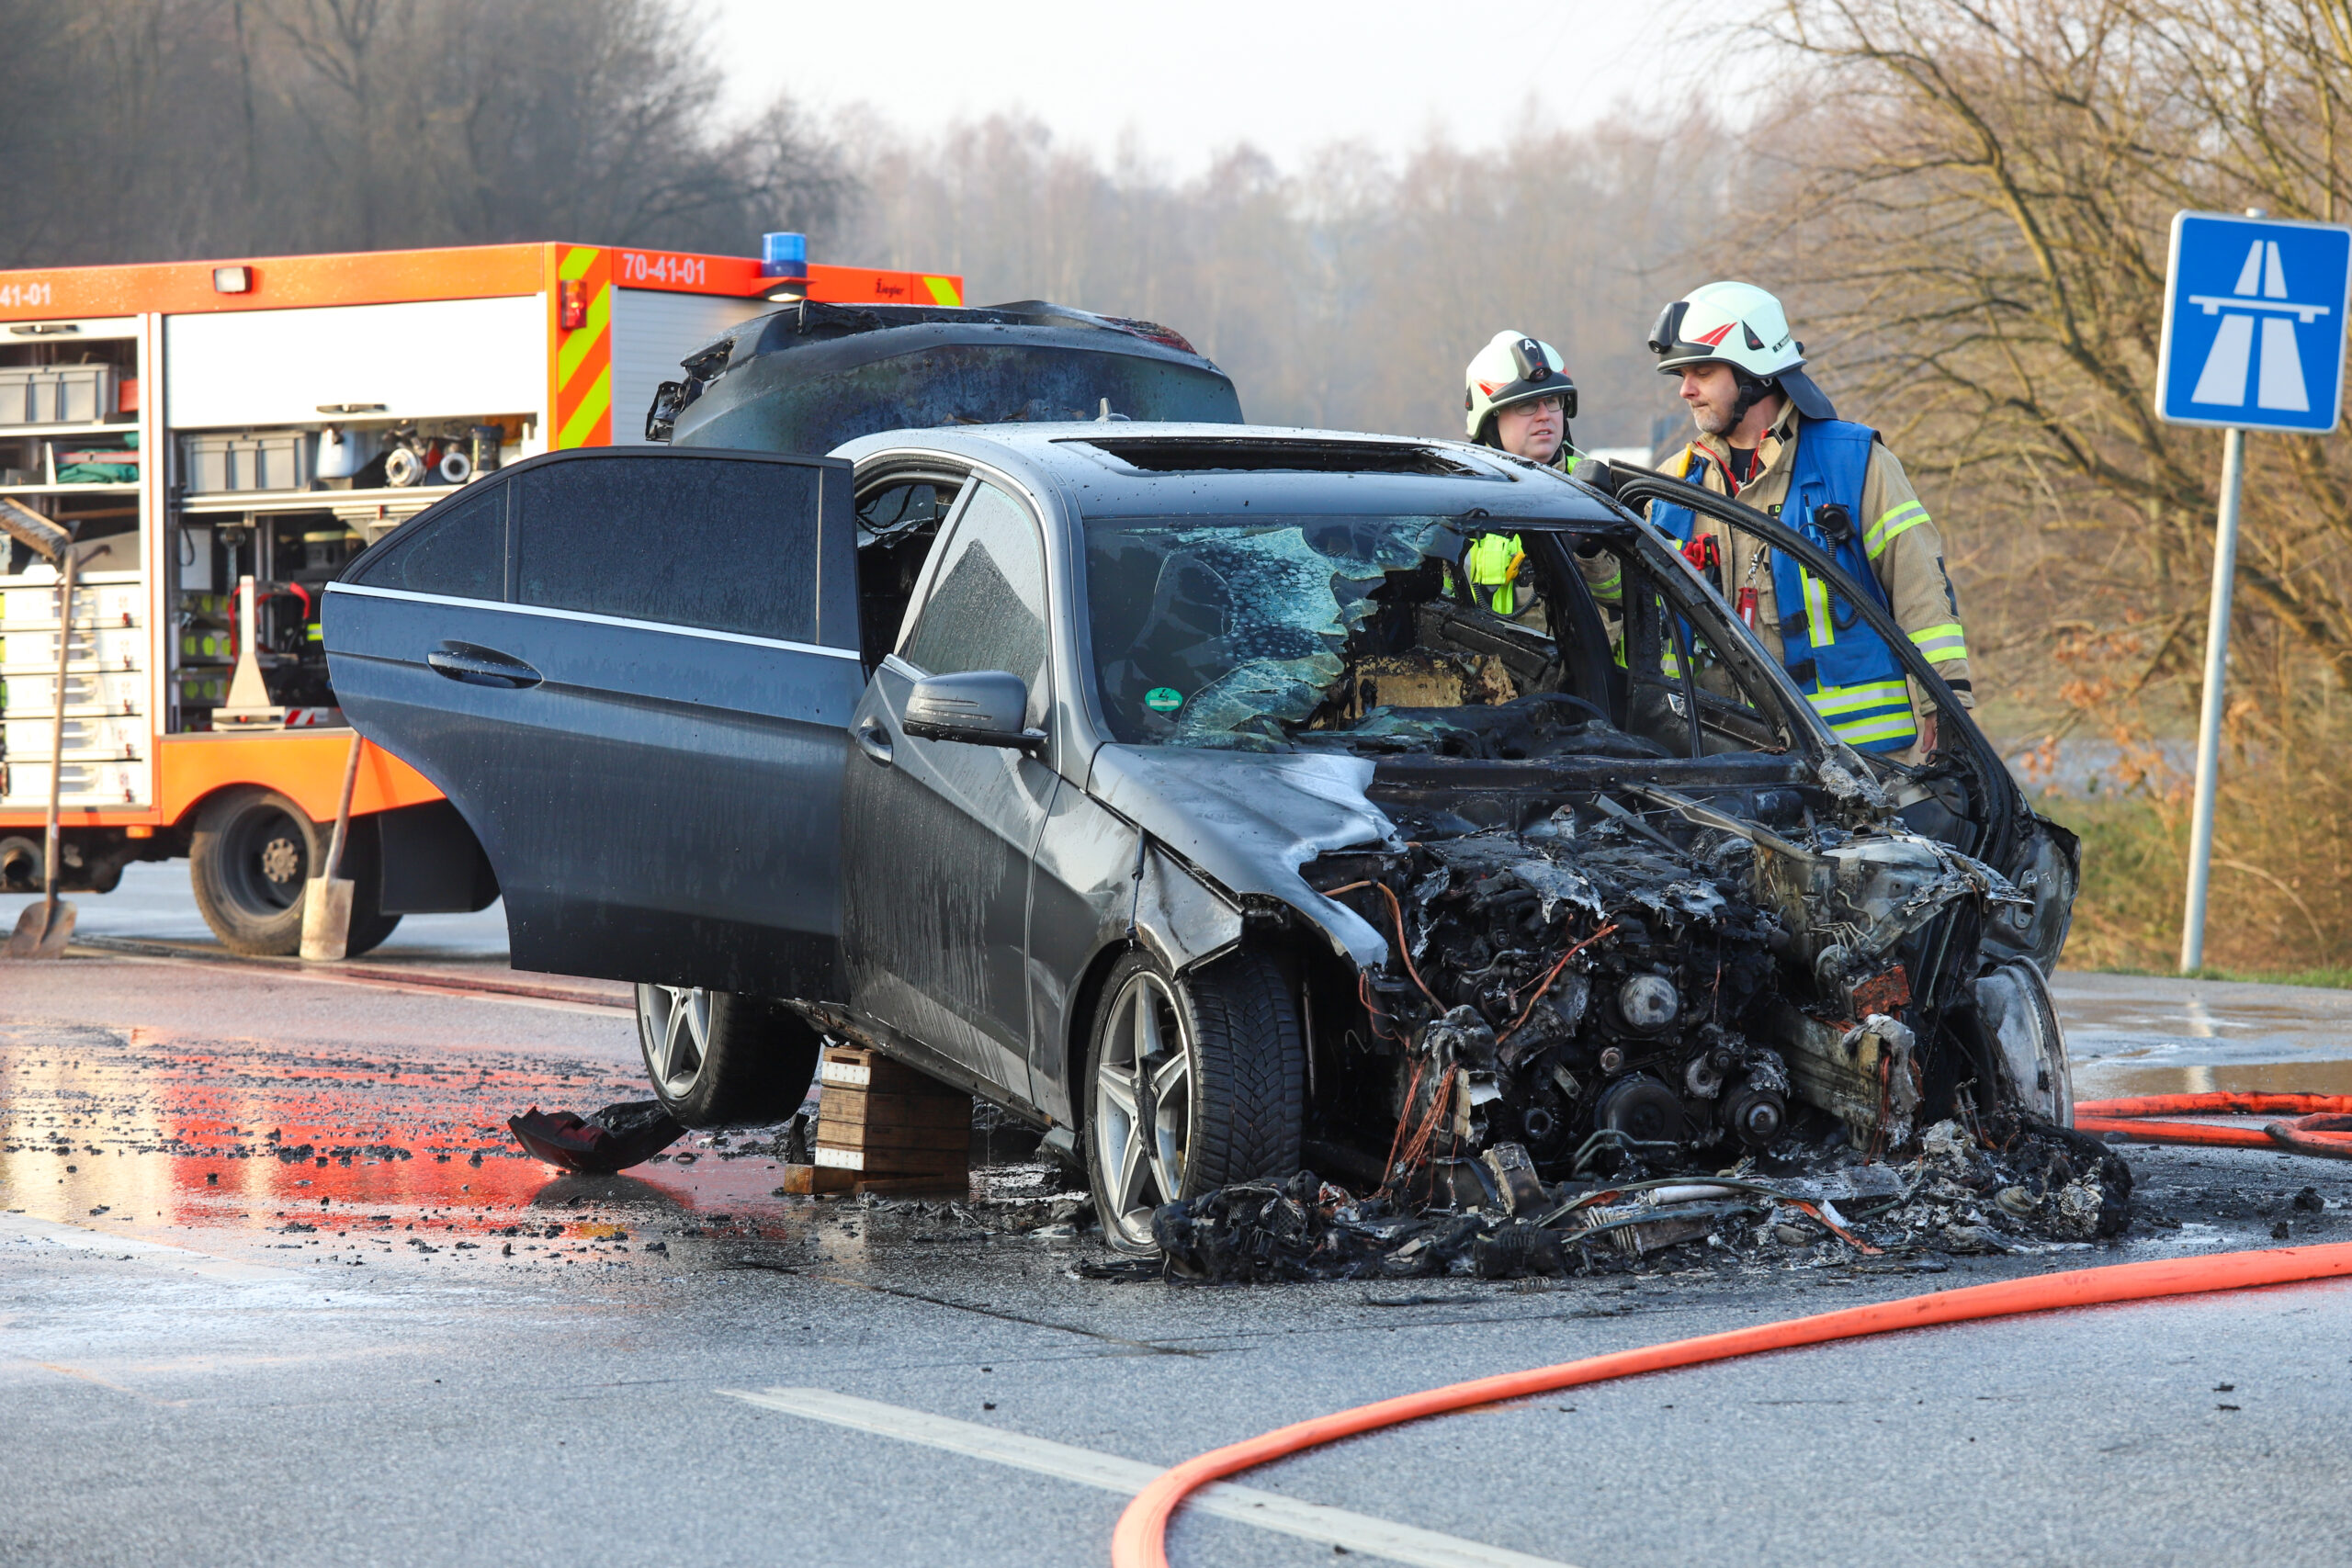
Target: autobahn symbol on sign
2254 323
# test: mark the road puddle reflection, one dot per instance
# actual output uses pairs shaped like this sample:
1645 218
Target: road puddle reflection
352 1156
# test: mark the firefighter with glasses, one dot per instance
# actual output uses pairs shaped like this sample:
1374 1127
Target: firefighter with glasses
1516 397
1768 437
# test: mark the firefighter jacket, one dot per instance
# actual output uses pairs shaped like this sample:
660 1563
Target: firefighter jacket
1493 564
1893 539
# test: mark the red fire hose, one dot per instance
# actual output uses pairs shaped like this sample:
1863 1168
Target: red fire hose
2321 1126
1140 1540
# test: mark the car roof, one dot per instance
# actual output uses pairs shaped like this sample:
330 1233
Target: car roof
1107 469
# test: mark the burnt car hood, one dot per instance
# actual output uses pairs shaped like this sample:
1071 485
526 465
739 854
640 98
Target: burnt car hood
1248 820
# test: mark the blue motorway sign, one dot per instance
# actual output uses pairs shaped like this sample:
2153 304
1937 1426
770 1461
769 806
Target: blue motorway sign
2254 323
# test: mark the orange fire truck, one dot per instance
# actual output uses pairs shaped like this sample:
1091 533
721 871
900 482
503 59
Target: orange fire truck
221 438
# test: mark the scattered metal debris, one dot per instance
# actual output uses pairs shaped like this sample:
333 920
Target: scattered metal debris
2019 1189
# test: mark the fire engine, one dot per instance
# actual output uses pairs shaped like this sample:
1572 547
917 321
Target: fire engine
221 438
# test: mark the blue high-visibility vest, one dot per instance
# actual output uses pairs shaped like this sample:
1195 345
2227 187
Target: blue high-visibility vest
1846 671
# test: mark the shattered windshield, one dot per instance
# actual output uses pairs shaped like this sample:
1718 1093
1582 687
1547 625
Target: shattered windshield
1223 634
1376 635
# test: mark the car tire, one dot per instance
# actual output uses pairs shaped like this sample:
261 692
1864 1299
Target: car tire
253 850
1223 1101
718 1059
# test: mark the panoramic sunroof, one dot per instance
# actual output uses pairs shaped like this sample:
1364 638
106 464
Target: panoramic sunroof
1194 454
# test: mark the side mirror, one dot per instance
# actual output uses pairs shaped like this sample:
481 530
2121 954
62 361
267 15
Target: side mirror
983 707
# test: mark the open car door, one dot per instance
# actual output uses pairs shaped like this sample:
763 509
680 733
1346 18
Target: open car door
632 670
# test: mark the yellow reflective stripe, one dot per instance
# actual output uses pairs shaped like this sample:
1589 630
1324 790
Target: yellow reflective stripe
1946 641
1898 521
592 404
1820 629
1610 587
1847 699
1894 726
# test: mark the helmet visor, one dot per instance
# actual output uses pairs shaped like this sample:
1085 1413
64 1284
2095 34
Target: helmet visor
1667 329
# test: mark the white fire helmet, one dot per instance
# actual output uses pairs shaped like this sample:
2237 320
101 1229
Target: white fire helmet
1740 325
1513 369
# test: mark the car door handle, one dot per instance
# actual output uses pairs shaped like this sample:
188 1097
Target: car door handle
480 666
875 741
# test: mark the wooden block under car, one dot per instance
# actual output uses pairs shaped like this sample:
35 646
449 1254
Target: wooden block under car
893 1162
863 1107
807 1181
811 1180
885 1127
884 1144
855 1066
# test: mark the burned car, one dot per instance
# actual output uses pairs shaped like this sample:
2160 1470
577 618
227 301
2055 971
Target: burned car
1163 784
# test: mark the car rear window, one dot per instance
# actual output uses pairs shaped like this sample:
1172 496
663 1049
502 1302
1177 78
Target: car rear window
458 551
725 545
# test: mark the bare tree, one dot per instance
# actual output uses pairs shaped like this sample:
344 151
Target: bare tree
1981 209
1975 197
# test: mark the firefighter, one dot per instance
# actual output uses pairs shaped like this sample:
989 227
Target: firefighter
1769 436
1518 398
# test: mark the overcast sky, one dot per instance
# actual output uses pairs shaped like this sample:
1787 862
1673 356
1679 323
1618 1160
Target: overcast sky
1190 79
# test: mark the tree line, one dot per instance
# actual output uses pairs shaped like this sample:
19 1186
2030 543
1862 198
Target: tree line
146 129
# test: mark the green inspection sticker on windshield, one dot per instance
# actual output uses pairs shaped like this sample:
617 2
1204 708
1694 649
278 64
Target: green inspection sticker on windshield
1162 699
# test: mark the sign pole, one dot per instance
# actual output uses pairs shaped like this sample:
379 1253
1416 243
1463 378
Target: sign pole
2209 722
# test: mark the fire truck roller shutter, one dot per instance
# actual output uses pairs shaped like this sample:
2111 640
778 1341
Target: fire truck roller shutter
652 330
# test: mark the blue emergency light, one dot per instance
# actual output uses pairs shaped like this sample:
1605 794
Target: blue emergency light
784 255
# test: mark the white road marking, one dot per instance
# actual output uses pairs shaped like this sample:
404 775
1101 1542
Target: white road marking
1268 1510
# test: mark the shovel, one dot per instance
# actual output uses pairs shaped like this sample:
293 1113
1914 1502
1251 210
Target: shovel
326 897
44 927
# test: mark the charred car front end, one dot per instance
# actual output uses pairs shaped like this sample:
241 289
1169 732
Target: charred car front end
1616 896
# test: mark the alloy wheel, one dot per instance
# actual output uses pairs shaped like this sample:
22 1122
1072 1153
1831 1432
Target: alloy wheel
678 1031
1142 1113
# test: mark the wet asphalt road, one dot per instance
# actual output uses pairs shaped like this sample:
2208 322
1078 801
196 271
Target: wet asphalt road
216 1349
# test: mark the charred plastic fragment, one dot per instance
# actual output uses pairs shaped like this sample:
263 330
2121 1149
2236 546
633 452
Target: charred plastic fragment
613 1139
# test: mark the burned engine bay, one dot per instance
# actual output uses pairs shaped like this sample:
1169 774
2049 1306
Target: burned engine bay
1633 933
1622 1027
1667 984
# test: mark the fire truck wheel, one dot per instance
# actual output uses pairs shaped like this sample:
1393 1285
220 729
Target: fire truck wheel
251 853
721 1060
